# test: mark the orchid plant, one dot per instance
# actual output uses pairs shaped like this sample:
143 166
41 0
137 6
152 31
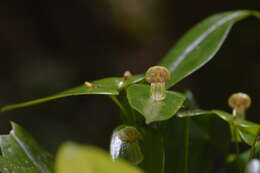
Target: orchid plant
162 131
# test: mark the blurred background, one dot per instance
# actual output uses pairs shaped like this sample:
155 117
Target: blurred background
51 45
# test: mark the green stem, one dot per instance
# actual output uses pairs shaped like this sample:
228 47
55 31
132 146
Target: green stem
252 151
121 107
187 144
236 145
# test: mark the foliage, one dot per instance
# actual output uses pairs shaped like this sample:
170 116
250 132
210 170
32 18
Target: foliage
186 139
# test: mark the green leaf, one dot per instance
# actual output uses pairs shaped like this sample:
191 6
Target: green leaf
139 98
200 143
107 86
223 115
230 120
244 159
191 113
22 154
135 79
86 159
247 131
200 44
152 146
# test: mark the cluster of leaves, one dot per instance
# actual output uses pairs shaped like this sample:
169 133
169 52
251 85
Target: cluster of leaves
162 141
22 154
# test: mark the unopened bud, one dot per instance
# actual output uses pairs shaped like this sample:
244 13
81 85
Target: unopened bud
157 77
239 102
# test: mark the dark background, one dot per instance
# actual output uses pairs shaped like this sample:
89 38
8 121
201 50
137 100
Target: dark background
51 45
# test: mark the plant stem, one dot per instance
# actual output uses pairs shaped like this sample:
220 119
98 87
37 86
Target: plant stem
252 151
236 145
121 107
187 144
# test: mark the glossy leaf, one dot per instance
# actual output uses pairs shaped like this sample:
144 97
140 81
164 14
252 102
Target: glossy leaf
247 131
86 159
139 98
134 79
108 86
152 146
223 115
200 143
191 113
200 44
22 154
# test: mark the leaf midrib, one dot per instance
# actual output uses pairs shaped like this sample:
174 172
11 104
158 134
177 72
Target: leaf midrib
28 153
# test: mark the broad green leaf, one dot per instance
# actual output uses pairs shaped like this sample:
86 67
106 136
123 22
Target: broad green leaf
223 115
234 130
199 144
200 44
247 131
243 129
139 98
152 146
22 154
108 86
86 159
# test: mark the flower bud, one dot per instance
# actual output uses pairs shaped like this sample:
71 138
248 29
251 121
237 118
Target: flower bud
239 102
125 144
157 77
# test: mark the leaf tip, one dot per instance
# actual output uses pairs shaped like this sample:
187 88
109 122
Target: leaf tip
257 14
3 109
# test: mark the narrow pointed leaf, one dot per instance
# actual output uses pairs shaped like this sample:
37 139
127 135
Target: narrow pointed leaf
200 44
22 154
86 159
108 86
191 113
139 98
